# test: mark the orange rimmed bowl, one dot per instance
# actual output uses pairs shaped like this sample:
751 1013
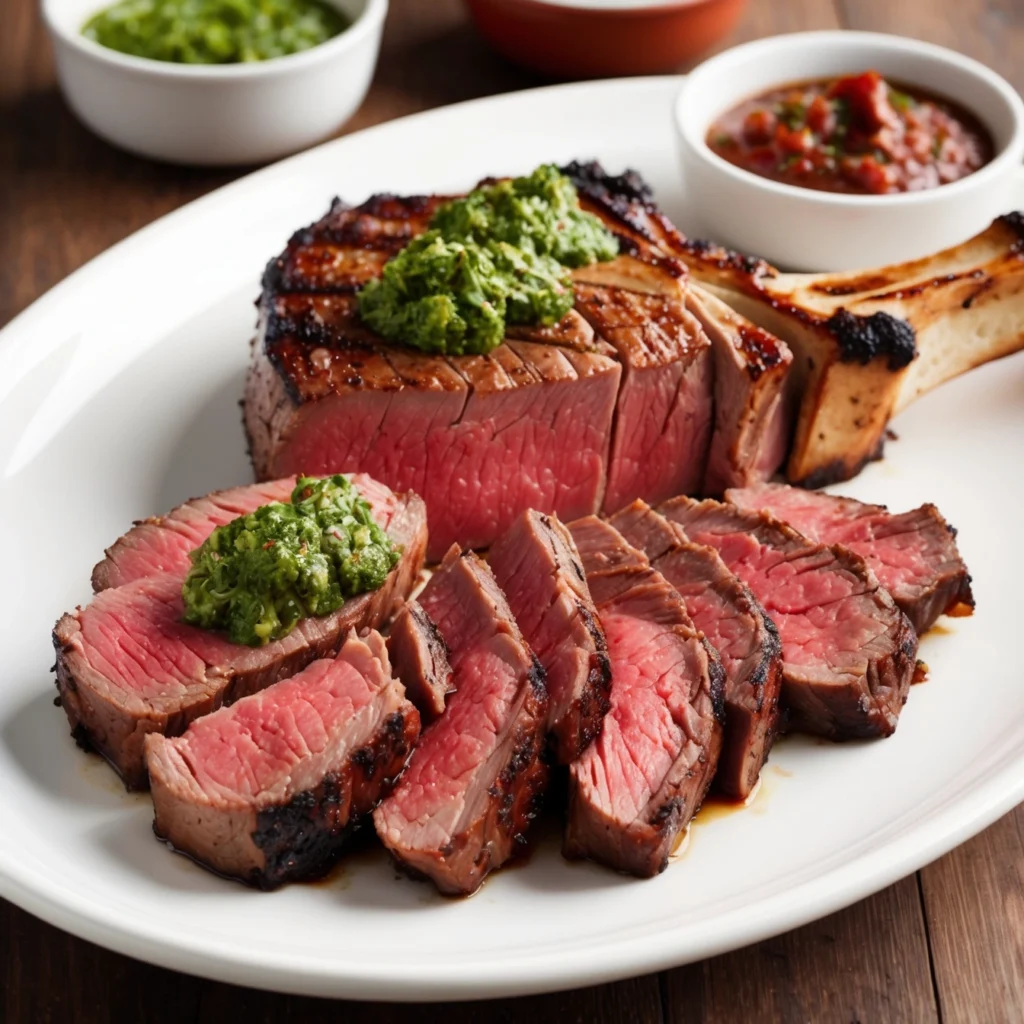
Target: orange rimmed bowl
604 38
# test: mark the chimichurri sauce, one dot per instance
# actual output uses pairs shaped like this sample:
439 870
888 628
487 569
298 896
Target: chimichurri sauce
260 574
856 134
496 257
214 31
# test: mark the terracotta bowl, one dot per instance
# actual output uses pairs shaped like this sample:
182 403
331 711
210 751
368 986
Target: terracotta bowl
604 38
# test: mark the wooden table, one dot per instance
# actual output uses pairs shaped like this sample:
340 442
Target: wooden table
945 944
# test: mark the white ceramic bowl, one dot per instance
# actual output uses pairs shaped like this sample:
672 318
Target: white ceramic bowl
215 114
804 229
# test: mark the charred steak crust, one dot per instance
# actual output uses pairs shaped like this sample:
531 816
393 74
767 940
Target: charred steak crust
303 838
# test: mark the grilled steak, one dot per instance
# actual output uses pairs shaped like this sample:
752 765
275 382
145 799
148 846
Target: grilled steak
268 789
913 554
419 657
128 666
481 438
752 417
732 619
537 566
848 652
469 793
638 784
663 416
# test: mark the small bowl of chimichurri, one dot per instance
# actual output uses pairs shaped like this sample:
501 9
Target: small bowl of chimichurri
215 81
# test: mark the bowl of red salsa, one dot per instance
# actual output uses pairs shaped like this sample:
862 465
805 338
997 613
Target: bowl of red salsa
841 150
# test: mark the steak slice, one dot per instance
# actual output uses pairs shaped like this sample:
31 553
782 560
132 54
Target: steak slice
739 629
269 789
419 657
538 567
848 652
472 785
481 438
752 417
664 411
163 543
913 554
127 665
638 784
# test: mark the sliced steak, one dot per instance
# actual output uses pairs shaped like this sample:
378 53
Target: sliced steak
752 416
268 789
638 784
127 665
419 657
732 619
848 652
913 554
537 566
664 412
472 785
481 438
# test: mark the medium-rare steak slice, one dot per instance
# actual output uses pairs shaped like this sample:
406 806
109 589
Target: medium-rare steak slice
664 412
419 657
848 652
638 784
538 567
268 789
163 543
732 619
127 665
913 554
752 416
480 438
472 785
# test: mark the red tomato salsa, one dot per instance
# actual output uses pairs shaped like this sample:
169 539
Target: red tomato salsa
855 134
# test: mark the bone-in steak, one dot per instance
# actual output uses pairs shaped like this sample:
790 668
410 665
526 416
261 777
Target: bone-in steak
268 789
128 666
848 652
538 567
732 619
913 554
471 788
638 784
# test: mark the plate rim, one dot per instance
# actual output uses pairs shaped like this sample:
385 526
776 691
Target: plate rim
990 797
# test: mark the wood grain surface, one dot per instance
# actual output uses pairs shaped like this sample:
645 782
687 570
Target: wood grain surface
944 945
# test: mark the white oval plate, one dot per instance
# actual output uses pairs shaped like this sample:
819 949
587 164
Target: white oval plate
118 395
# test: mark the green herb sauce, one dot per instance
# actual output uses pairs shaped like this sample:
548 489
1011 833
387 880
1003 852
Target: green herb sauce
258 575
494 258
214 31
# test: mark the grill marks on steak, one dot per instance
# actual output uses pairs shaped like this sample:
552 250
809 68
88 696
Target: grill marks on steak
638 784
268 789
663 416
419 657
128 666
472 785
739 629
848 651
913 554
538 568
